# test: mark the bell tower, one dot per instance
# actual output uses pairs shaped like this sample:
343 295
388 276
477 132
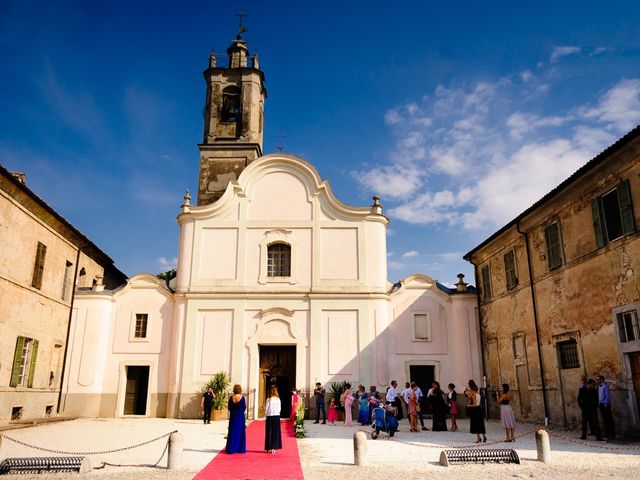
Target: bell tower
233 119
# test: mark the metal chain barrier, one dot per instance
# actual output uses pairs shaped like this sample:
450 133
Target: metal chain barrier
524 434
471 445
103 452
104 464
589 444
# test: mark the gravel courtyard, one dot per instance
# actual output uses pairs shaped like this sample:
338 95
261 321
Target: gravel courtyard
326 452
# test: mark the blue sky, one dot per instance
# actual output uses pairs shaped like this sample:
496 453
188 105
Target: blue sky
459 116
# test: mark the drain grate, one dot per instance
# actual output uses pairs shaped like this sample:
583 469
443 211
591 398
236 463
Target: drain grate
44 464
478 455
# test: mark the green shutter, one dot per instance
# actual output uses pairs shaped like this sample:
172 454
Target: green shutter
32 366
597 222
17 357
626 208
547 238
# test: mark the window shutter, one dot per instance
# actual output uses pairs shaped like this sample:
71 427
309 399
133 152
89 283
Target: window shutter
547 237
32 366
597 222
626 209
17 357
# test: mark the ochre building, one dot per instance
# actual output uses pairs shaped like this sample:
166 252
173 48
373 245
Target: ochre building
42 257
559 291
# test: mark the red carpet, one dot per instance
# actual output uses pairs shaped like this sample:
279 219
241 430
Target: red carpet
256 463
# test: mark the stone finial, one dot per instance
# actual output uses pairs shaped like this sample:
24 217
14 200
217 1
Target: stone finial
376 208
186 204
212 59
98 286
255 61
461 286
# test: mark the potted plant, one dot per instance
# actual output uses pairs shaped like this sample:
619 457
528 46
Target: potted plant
219 384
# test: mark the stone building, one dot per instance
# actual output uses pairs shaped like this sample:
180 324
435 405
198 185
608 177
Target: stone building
40 256
278 283
559 292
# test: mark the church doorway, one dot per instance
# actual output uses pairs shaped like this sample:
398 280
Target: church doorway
135 398
424 376
277 367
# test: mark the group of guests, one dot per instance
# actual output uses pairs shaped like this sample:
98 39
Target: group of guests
594 396
412 400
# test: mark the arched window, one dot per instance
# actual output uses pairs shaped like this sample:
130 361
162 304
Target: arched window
279 260
230 105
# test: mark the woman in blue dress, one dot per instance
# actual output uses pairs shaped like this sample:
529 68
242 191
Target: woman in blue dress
363 411
236 435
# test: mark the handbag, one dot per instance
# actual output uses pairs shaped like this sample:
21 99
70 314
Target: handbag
418 410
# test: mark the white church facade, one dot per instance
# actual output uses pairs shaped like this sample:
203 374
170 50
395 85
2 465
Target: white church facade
278 282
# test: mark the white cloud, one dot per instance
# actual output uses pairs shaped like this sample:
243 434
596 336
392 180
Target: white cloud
391 117
564 51
410 254
390 181
526 75
619 106
167 263
521 123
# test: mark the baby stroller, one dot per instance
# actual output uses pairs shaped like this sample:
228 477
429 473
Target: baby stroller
384 420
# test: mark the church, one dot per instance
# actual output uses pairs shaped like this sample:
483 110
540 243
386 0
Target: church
278 282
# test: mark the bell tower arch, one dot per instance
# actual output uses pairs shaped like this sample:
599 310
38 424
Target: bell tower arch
233 119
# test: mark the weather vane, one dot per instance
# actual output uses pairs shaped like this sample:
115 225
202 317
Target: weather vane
241 27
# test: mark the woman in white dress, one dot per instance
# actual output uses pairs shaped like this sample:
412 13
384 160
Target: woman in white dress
273 436
506 413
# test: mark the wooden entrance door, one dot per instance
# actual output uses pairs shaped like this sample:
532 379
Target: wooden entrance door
634 361
277 367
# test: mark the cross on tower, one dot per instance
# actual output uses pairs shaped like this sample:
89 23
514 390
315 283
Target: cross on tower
241 28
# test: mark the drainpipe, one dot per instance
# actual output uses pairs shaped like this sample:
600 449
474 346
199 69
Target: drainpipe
66 342
484 376
537 324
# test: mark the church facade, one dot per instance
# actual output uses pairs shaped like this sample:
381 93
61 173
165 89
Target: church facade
278 283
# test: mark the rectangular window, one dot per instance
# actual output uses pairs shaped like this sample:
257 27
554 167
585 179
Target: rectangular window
613 214
628 329
554 245
510 269
24 362
421 327
279 260
486 283
66 281
568 354
141 325
38 267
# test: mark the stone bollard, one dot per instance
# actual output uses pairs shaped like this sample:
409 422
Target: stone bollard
542 446
360 449
174 461
86 466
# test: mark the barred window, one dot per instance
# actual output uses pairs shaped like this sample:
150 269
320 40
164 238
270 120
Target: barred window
568 354
141 325
279 260
628 328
